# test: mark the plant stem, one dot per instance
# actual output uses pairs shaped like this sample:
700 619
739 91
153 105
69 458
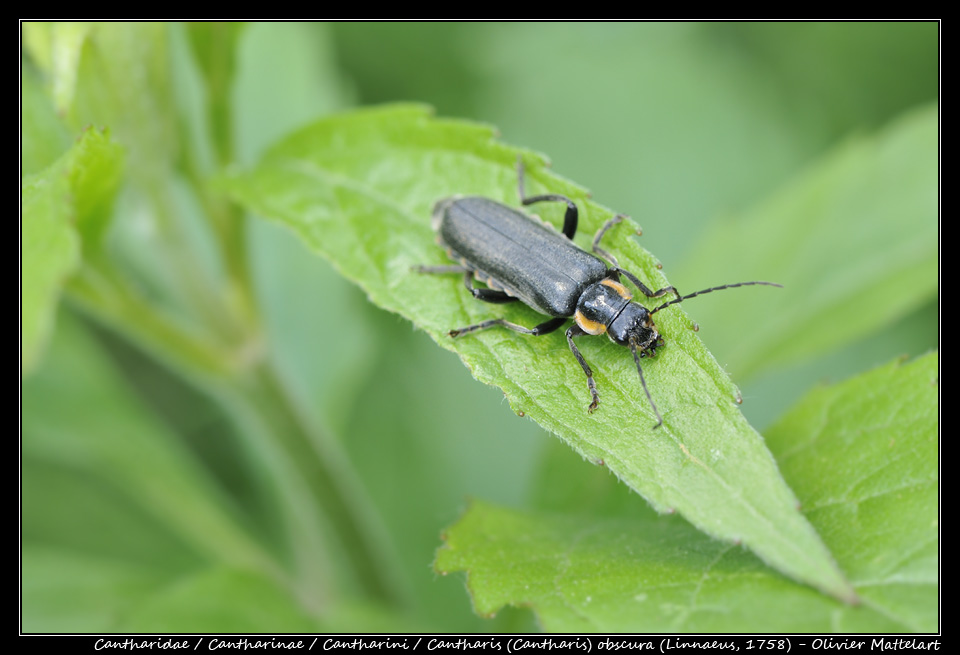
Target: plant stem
352 526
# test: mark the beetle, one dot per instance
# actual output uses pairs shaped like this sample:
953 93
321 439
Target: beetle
522 258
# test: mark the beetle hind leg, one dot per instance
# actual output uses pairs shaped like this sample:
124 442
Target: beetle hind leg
439 270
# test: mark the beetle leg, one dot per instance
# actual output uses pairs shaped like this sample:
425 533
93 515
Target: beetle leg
439 270
599 235
539 330
576 331
486 295
644 288
570 217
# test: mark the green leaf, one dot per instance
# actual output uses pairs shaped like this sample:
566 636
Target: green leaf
651 574
862 456
114 75
71 193
359 188
853 240
51 251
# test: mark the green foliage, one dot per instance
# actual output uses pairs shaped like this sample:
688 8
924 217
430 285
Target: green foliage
51 252
862 457
221 433
72 194
867 213
105 487
342 182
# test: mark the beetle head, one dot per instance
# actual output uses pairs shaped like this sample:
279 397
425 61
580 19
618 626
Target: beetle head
635 324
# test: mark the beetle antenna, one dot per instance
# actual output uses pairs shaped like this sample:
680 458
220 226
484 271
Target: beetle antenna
643 383
703 291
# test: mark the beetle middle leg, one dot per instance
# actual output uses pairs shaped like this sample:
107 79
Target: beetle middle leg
487 295
570 217
538 330
615 265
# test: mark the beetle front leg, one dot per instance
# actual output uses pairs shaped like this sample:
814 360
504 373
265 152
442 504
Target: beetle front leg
644 289
615 266
576 331
599 235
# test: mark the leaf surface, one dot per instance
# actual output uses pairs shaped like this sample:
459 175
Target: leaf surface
358 188
862 456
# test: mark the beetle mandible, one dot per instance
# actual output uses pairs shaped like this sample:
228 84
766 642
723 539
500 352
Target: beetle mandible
520 257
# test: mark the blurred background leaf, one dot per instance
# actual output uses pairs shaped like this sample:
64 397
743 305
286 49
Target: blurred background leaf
853 239
73 194
680 125
107 484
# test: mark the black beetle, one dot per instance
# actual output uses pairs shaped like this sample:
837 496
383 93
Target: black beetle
520 257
